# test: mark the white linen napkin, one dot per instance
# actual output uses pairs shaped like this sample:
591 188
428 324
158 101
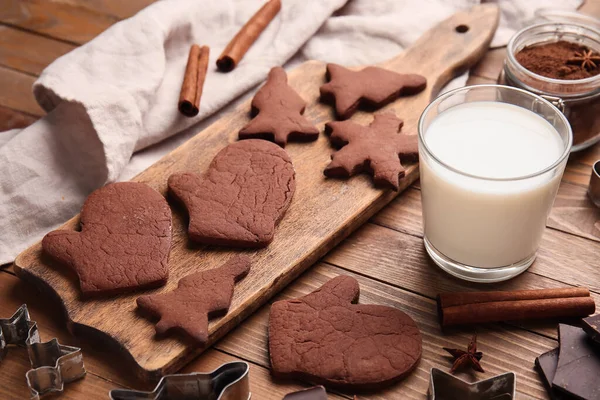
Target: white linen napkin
117 95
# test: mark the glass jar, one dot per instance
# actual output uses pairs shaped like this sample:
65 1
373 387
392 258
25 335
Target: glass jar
578 99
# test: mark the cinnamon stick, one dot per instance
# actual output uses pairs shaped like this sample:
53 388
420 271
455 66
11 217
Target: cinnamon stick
193 80
240 44
481 307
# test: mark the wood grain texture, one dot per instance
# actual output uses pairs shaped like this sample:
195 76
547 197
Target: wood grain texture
41 51
116 8
17 92
478 80
261 384
559 252
322 213
573 212
591 7
13 293
51 323
401 260
490 65
12 119
103 373
505 348
60 19
16 364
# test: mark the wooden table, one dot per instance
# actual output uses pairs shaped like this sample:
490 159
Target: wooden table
386 255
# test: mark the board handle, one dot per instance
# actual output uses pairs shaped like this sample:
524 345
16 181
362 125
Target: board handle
451 47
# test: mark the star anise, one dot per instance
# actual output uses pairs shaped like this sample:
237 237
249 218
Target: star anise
470 358
587 59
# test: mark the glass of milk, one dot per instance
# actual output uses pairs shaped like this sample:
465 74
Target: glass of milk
491 159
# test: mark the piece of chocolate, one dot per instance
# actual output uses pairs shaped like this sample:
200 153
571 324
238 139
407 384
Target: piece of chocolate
445 386
546 365
124 242
591 326
197 298
313 393
371 86
324 338
246 191
277 110
578 368
377 148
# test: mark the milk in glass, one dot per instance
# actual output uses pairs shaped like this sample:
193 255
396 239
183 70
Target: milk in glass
494 217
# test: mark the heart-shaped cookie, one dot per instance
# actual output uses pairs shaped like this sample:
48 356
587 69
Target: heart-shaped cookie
324 338
124 242
245 193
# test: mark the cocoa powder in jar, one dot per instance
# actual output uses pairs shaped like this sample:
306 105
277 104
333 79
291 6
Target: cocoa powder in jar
563 60
558 60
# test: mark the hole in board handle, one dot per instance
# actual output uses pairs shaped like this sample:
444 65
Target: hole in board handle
461 28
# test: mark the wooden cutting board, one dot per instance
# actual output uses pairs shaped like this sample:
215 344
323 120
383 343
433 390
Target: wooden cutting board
322 213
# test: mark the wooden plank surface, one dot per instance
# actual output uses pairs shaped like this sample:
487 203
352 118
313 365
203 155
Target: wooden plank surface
573 212
103 373
17 92
504 347
65 20
558 251
322 213
572 215
74 22
116 8
13 119
43 50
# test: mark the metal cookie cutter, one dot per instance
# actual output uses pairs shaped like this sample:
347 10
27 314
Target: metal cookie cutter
594 189
52 364
444 386
228 382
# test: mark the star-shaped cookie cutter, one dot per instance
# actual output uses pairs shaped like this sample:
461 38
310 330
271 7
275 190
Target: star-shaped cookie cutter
53 364
443 385
228 382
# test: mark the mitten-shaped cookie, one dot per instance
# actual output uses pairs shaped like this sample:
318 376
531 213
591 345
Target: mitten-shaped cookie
198 297
244 194
324 338
124 241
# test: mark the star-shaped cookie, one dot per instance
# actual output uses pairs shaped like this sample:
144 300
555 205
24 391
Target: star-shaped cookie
277 110
198 297
372 86
376 148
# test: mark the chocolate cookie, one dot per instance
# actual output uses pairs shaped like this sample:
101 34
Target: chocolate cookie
324 338
243 196
277 110
377 148
198 297
124 241
373 87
